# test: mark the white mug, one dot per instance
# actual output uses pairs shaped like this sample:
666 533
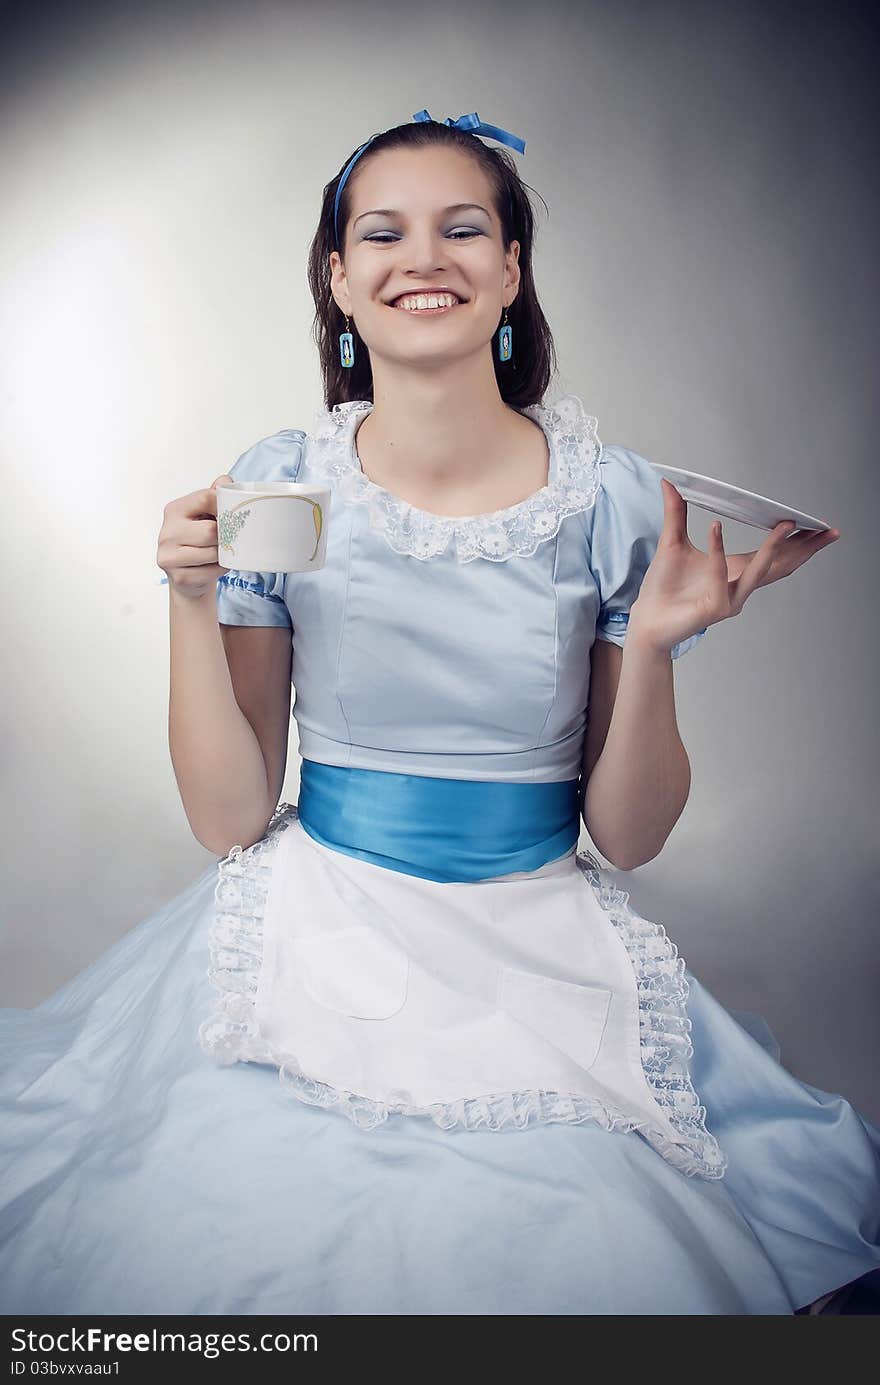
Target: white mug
272 526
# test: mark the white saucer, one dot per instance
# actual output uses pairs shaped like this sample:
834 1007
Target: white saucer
733 502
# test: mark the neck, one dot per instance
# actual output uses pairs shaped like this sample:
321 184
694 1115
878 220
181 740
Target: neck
439 427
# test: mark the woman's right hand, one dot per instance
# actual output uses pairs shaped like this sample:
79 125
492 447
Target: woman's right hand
187 550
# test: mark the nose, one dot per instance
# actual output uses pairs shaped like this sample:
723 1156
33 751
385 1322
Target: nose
425 252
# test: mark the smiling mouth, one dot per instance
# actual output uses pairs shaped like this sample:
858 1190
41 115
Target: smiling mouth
425 312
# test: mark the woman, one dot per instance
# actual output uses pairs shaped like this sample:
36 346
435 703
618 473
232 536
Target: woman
501 1090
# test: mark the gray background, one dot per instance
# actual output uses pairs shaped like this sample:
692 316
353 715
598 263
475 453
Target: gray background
709 270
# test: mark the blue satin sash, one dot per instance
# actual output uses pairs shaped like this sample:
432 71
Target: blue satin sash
450 830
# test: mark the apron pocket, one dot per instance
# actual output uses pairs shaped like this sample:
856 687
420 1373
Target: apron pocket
570 1016
355 971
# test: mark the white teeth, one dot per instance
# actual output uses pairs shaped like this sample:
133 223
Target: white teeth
415 302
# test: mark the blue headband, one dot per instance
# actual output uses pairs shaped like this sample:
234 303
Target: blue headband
471 123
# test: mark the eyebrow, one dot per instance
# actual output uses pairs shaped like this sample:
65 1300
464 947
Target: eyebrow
389 211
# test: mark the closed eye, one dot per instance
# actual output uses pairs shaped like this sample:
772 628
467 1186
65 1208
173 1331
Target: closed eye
456 235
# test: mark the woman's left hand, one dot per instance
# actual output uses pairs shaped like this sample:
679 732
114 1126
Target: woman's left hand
685 590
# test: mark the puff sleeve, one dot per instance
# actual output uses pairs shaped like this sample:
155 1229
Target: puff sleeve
257 598
627 520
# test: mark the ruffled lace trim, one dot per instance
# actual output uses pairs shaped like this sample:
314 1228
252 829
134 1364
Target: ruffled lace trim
231 1033
573 483
665 1029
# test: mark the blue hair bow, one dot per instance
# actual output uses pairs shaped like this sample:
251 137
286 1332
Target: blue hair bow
471 123
475 126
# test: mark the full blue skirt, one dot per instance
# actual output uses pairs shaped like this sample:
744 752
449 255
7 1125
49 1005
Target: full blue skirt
138 1176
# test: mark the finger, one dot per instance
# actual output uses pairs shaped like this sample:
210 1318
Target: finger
211 492
717 555
820 536
756 570
809 533
209 498
195 533
718 563
674 513
803 545
193 555
805 537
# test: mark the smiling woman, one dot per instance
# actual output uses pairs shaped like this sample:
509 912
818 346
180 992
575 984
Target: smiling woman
467 1076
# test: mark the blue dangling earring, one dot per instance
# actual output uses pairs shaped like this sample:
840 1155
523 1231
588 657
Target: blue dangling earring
505 340
346 346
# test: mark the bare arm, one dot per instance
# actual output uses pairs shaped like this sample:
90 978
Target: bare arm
636 773
226 709
260 662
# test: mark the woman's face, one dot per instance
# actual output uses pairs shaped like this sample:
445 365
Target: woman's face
408 230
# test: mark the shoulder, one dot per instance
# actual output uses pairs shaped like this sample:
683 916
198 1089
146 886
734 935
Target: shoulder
276 457
620 466
629 489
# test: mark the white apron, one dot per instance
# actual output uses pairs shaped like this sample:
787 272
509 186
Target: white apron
538 995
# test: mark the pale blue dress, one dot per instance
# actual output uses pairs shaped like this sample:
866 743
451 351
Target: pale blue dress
153 1162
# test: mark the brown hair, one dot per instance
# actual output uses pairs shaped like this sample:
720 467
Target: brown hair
523 379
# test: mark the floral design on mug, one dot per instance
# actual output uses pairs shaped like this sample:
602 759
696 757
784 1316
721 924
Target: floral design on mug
229 528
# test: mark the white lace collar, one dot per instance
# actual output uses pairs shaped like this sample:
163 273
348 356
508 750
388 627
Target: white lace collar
573 482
